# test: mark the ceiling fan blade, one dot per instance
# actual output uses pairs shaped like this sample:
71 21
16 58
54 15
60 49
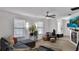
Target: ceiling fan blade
75 8
53 15
50 16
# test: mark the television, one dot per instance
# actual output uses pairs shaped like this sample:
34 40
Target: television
73 22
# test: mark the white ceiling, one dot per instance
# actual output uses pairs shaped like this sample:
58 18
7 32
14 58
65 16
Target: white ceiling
40 11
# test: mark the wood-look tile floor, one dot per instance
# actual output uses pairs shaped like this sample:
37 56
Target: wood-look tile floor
61 44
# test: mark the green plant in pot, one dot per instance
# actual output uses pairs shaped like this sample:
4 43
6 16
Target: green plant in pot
33 30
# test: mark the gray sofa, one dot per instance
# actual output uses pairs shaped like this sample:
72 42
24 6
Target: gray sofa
23 45
19 46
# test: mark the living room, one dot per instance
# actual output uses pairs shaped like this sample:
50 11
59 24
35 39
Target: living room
37 29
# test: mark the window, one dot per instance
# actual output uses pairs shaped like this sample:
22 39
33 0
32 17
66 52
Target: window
19 28
19 32
39 26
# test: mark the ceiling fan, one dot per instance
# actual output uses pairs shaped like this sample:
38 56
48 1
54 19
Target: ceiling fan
50 15
75 8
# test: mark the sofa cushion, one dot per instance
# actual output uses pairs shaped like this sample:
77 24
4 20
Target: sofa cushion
27 41
20 45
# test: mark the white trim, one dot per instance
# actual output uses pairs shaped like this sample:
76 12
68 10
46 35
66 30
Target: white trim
72 42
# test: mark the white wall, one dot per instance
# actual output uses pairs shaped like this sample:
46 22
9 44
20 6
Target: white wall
66 30
6 23
59 26
53 24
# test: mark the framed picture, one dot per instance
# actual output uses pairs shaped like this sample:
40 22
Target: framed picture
74 36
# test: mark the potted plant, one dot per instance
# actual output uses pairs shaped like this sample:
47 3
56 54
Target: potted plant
33 31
